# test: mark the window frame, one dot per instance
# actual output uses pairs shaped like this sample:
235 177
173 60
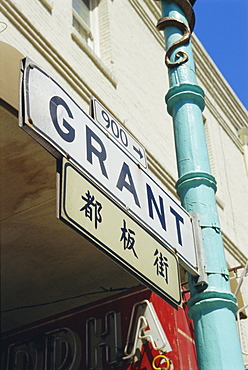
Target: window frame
89 33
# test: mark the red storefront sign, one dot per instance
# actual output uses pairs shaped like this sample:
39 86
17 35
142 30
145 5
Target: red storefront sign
101 335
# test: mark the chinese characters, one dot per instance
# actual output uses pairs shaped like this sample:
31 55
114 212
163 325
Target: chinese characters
92 208
161 263
128 239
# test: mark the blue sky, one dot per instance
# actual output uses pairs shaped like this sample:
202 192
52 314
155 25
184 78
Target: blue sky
222 28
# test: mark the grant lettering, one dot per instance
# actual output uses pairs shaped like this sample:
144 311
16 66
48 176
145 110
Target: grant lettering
129 185
69 133
95 146
178 220
153 204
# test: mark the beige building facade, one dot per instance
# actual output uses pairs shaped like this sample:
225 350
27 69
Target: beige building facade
110 50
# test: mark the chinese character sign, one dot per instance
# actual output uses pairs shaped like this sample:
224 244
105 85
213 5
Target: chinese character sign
127 237
161 264
112 229
92 208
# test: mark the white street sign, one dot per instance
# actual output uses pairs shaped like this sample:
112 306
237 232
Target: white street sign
122 136
85 207
54 119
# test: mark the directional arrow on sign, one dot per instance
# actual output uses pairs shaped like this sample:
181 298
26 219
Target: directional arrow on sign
138 151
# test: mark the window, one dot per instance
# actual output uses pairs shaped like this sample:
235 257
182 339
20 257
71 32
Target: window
85 21
91 32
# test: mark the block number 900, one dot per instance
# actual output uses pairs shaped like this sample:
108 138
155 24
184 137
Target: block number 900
115 129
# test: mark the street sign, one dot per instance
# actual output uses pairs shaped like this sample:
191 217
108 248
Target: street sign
55 120
88 209
122 136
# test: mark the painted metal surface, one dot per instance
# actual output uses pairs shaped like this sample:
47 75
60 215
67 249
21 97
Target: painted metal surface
94 337
111 228
55 120
213 309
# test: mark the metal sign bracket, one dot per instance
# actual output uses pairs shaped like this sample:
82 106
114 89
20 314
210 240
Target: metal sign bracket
202 280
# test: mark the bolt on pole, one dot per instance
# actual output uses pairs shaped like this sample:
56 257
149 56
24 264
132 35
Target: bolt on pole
212 307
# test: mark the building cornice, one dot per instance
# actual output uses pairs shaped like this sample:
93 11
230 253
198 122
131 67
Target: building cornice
146 19
162 174
222 122
234 250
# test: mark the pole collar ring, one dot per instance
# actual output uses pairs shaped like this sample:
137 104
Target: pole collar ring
185 92
198 178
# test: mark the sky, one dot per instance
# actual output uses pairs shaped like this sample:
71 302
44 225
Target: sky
222 28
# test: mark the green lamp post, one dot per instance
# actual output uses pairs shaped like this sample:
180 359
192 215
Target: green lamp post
212 306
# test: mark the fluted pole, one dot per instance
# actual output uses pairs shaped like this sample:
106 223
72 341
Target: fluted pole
213 309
